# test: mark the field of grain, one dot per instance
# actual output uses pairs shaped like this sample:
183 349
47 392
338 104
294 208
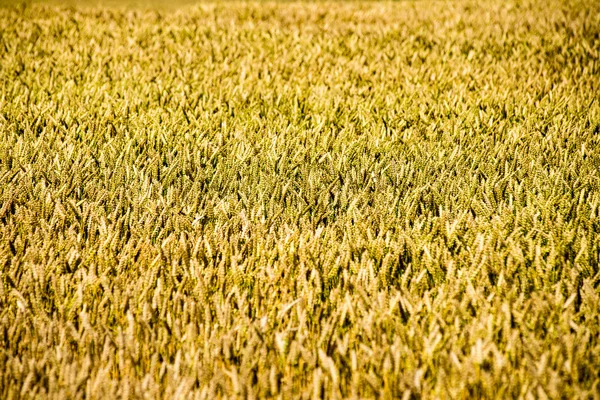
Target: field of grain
300 200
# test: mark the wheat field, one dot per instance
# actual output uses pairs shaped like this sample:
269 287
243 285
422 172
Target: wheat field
300 200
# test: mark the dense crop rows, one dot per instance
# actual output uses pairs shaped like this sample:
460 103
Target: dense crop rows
320 199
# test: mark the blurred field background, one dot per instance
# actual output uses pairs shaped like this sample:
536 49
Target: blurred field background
160 5
300 200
